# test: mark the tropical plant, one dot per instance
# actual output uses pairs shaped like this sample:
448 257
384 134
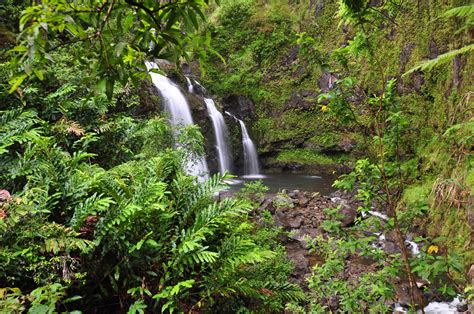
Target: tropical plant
120 35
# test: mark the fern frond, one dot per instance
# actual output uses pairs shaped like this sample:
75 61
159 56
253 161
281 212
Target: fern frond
205 191
285 290
441 59
64 90
91 206
114 219
461 11
236 252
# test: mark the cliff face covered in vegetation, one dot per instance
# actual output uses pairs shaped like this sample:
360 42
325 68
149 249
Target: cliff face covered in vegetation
291 60
99 211
315 73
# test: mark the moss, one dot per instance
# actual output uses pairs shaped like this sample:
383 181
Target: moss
305 157
264 64
414 194
325 140
470 179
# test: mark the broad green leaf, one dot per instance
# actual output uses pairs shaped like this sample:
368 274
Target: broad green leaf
16 81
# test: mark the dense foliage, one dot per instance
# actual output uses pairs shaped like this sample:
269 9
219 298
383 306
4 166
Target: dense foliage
97 213
357 72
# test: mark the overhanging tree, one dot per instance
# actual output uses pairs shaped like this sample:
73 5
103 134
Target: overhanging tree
118 34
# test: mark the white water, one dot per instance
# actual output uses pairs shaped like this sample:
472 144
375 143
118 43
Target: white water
415 250
251 168
435 307
378 214
443 307
190 85
221 134
180 115
250 152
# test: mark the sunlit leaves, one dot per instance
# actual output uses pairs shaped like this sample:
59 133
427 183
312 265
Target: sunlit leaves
119 34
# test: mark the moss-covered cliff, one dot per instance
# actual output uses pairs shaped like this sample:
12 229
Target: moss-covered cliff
267 63
289 59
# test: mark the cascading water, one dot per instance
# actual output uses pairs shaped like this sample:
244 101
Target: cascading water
251 167
190 85
250 152
222 136
180 114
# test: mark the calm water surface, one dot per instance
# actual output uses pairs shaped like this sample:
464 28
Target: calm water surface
288 181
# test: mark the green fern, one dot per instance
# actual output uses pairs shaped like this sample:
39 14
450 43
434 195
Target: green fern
428 65
94 205
466 12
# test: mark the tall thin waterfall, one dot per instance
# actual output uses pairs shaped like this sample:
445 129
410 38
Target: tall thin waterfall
250 152
180 114
190 85
222 136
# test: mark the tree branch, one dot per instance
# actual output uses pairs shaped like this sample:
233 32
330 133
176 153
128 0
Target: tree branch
106 17
147 10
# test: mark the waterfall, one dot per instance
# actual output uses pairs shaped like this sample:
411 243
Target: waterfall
415 250
251 167
221 134
250 152
180 115
220 130
190 85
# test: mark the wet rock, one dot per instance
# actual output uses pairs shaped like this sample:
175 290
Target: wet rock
458 67
405 56
463 307
350 215
267 205
346 144
471 274
333 303
318 5
293 222
240 106
391 246
298 256
433 48
303 201
224 194
403 294
298 101
326 82
294 193
348 211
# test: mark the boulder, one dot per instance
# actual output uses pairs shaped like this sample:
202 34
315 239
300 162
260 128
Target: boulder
403 294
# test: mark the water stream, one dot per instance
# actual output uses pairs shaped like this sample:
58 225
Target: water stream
251 167
435 307
190 85
179 114
222 136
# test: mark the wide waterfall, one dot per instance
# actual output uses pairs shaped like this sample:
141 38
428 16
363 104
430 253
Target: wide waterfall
180 115
251 167
221 134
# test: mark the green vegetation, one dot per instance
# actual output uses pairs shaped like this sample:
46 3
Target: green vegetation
97 212
303 156
363 75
